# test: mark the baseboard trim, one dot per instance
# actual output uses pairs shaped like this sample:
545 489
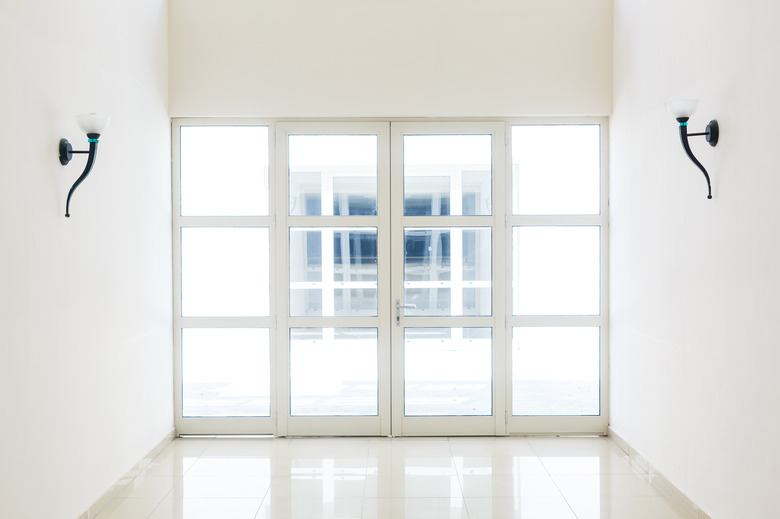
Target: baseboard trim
117 487
670 492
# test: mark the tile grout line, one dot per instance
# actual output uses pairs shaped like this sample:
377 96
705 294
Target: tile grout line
460 481
547 471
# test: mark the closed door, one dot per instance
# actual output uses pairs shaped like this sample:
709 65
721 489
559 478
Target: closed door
377 278
448 359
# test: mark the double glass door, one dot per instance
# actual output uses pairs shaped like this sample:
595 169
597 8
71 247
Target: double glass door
344 278
391 302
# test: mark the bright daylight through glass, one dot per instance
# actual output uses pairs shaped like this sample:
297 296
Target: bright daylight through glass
549 292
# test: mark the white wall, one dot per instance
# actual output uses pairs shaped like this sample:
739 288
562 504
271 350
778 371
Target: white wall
85 302
695 344
401 58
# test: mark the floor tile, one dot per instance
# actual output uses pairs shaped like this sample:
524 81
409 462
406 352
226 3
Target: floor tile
186 447
318 486
585 446
319 466
413 466
248 447
498 485
608 463
411 447
514 446
222 487
233 466
328 447
619 485
506 465
388 478
491 447
611 507
519 507
173 466
310 508
400 485
149 486
176 508
129 508
415 508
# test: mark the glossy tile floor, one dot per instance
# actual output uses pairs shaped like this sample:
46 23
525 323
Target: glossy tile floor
384 478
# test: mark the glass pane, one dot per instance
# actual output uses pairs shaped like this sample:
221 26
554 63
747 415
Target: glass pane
334 372
556 169
448 371
556 270
333 174
224 271
447 271
447 175
224 170
555 371
226 372
333 271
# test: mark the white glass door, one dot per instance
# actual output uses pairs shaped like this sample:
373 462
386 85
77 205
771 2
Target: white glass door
448 369
390 278
335 348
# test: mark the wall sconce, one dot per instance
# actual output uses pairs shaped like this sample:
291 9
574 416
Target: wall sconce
682 110
93 125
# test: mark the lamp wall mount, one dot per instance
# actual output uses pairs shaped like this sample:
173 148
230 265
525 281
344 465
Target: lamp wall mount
711 133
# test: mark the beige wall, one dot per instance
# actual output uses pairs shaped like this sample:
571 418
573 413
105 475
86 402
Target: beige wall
405 58
85 302
695 344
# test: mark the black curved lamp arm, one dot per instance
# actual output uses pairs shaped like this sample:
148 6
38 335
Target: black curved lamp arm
687 147
93 142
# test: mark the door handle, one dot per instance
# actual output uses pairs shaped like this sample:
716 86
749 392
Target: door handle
398 307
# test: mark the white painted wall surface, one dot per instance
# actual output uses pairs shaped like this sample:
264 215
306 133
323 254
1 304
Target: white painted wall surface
695 342
401 58
85 302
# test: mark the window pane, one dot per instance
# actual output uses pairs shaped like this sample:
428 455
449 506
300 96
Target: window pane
224 271
226 372
447 175
448 371
334 372
447 271
556 270
555 371
333 174
556 169
333 271
224 170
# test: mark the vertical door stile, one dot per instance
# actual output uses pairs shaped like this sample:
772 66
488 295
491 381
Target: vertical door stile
282 275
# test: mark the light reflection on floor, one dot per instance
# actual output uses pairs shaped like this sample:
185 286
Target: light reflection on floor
477 478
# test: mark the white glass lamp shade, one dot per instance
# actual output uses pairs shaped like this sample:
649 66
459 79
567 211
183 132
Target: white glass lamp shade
93 123
682 107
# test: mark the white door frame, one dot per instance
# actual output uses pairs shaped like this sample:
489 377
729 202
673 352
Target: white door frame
449 425
596 424
222 425
390 223
331 425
